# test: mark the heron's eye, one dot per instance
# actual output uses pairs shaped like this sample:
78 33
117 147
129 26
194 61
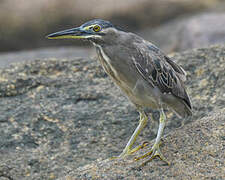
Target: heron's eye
96 28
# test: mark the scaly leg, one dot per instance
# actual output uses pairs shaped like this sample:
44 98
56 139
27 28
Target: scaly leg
155 151
142 123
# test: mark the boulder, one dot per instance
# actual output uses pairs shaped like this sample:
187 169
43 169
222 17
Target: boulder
182 34
44 53
58 115
196 151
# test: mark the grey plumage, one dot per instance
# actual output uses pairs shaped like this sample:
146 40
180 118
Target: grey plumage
145 74
147 64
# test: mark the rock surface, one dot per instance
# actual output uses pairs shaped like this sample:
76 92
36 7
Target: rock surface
182 34
44 53
196 151
57 115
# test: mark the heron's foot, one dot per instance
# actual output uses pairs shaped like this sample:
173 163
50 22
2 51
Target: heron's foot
142 146
154 152
129 151
125 153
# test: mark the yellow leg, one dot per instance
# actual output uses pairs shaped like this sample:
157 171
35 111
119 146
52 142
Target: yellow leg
128 149
155 151
144 144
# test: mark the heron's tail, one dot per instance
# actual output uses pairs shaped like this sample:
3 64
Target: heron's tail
182 109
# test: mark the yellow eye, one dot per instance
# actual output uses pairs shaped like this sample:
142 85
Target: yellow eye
96 28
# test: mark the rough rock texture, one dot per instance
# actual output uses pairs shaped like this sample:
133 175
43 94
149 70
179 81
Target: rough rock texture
57 115
24 21
196 151
60 53
182 34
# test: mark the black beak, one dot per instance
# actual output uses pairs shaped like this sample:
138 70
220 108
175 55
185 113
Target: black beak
74 33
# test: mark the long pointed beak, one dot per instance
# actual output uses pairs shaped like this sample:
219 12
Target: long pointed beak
74 33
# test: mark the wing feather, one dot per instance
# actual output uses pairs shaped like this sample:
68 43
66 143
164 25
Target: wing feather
159 70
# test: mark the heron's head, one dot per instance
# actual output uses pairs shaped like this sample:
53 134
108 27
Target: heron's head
95 30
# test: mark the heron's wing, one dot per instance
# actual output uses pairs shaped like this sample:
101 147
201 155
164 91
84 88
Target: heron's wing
160 71
178 69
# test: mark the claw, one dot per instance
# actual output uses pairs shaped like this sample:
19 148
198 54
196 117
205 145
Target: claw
132 151
154 152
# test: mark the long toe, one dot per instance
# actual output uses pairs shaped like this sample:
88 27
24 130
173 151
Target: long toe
134 150
127 152
154 152
142 146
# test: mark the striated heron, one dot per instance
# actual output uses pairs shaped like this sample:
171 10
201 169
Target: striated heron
143 72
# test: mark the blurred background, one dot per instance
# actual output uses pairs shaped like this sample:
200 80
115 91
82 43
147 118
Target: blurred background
173 25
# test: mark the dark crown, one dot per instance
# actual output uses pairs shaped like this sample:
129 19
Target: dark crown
102 23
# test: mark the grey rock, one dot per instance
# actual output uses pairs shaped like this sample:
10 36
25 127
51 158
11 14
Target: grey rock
44 53
196 151
60 114
182 34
